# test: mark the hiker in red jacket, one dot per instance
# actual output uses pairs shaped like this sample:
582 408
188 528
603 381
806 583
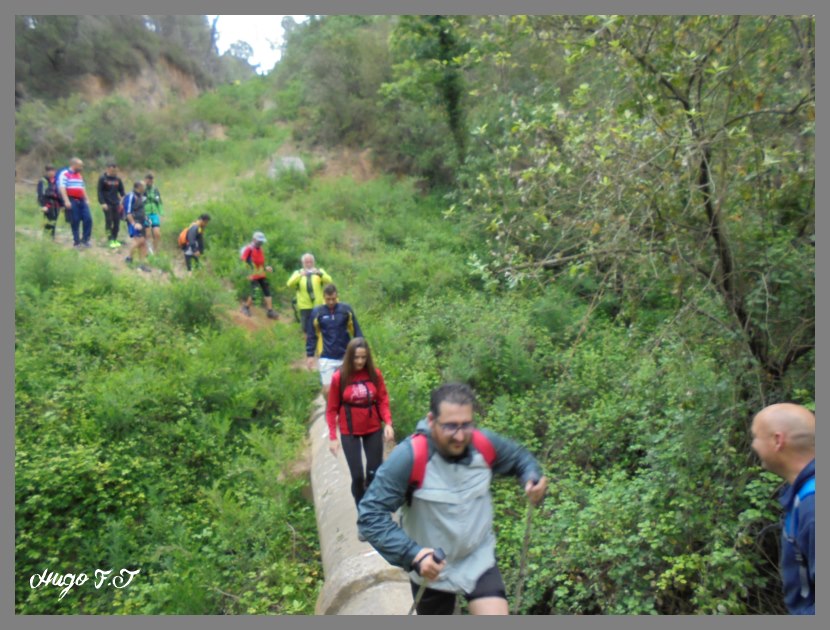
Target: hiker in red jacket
359 406
255 257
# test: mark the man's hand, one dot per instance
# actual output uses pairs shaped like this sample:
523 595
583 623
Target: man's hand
67 204
309 363
536 492
334 446
388 432
104 207
269 268
45 209
429 569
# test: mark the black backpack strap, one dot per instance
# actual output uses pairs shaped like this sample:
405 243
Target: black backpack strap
349 417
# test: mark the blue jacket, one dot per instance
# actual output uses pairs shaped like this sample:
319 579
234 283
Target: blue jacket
805 537
134 205
388 490
330 332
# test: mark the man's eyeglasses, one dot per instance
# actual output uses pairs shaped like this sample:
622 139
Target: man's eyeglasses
451 428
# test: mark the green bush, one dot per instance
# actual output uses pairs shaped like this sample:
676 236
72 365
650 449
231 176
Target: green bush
133 403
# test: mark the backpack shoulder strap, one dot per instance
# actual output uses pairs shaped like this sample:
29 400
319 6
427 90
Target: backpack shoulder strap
420 453
247 253
484 446
791 532
791 519
808 488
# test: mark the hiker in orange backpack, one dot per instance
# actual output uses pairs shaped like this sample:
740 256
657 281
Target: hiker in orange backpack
192 240
253 255
440 479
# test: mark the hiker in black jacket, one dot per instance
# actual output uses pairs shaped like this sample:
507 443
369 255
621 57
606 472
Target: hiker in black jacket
49 199
110 196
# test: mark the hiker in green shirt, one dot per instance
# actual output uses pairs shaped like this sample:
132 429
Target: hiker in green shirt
153 207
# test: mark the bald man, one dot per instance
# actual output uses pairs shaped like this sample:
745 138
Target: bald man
784 438
75 200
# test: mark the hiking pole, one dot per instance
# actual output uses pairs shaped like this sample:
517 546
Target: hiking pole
438 555
523 562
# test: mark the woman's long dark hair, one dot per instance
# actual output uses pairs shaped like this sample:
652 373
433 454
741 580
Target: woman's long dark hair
347 369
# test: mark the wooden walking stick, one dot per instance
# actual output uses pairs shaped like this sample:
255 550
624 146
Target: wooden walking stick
439 556
517 600
523 562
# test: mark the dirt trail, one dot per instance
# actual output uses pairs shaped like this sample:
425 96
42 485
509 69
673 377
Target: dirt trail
358 589
115 258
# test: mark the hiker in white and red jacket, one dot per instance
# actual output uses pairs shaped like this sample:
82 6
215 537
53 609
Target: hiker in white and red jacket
76 201
358 406
449 508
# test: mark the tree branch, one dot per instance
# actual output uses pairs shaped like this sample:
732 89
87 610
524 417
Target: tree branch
793 355
766 112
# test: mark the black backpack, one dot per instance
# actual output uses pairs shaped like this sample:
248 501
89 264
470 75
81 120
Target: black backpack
50 191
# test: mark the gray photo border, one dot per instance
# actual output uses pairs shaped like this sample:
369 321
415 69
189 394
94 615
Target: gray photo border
7 617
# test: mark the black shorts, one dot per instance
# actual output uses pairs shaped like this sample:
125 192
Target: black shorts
51 213
262 283
433 602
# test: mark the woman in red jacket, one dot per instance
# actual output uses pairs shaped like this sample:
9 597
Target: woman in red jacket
359 405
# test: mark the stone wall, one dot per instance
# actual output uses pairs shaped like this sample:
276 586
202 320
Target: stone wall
357 580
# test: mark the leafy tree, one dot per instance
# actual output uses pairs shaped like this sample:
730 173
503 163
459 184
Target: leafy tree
432 52
342 61
696 161
241 50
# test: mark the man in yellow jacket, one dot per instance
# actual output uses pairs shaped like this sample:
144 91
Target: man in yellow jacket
309 282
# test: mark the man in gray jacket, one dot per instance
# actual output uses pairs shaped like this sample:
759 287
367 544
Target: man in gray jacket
451 508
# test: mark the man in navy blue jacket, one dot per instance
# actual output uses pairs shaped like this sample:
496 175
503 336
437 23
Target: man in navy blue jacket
784 438
331 326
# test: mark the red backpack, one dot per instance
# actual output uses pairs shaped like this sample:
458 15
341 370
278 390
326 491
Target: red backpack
420 453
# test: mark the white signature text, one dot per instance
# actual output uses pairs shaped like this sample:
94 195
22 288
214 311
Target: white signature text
121 579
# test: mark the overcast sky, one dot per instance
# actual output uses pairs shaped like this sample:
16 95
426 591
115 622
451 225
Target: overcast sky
257 30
